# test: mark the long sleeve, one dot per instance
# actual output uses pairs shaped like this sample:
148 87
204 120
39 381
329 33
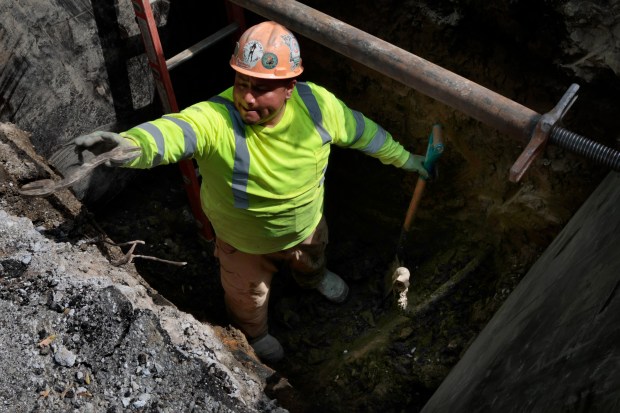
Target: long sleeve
350 128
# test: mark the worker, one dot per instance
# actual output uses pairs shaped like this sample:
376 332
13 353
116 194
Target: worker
262 148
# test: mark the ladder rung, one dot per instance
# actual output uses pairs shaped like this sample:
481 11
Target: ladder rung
190 52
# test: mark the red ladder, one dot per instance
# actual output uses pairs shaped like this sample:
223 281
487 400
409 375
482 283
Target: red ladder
160 69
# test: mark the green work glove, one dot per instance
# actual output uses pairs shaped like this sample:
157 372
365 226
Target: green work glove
101 141
415 163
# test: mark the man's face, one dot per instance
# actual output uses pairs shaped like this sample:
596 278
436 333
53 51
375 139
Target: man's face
261 101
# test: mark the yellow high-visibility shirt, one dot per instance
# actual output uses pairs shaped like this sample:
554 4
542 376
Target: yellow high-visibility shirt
262 187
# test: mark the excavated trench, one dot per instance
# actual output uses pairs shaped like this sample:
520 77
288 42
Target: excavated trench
474 228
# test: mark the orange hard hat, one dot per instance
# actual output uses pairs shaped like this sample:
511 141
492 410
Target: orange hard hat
269 51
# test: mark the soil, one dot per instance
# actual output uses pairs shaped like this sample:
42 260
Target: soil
366 354
474 237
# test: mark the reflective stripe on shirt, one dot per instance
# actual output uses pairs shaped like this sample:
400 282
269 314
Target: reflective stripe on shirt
241 167
189 136
359 125
315 111
376 142
311 103
159 141
306 95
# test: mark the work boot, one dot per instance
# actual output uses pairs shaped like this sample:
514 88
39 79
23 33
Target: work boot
268 348
333 287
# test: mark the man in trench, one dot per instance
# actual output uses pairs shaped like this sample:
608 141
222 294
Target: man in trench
262 148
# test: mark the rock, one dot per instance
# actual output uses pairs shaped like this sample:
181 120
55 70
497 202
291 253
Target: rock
64 357
141 401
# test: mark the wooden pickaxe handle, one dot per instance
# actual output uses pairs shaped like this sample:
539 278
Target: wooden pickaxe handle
433 152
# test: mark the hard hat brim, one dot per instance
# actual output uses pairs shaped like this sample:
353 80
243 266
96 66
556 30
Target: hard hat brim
252 73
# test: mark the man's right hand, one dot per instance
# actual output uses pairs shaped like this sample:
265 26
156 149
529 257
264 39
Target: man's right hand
102 141
101 138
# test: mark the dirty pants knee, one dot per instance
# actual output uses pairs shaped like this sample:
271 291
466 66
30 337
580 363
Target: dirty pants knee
246 278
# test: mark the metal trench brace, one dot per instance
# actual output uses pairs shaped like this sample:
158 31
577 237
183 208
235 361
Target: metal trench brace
541 134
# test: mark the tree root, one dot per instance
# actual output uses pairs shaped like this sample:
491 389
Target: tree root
129 256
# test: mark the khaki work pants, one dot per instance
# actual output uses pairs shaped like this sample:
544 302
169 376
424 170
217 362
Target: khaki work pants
246 278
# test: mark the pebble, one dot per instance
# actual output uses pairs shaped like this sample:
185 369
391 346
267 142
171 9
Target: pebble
64 357
159 368
142 400
126 401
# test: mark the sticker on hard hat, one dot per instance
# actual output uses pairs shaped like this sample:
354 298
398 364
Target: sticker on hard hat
269 60
294 57
252 53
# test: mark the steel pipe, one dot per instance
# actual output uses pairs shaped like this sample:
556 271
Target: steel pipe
432 80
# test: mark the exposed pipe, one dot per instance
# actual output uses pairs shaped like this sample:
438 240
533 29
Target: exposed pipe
432 80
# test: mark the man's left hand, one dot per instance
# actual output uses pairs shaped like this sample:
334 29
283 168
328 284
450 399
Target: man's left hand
415 163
